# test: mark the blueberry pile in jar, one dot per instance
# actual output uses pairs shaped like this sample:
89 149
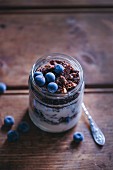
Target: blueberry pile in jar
57 77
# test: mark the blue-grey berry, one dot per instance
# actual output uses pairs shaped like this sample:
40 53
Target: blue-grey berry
23 127
9 121
50 77
58 68
78 137
52 87
67 119
3 87
37 73
12 136
40 80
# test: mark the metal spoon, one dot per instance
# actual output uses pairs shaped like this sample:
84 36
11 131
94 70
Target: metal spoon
97 134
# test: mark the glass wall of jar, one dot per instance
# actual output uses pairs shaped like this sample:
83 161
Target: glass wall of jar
55 112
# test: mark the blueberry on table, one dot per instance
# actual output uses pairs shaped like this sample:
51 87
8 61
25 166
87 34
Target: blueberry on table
58 68
78 137
9 121
52 87
37 73
40 80
50 77
23 127
2 87
12 136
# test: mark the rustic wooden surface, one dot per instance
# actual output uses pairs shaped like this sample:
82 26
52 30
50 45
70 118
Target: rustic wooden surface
31 29
41 150
87 37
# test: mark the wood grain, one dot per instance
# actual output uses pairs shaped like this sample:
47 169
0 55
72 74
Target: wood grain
41 150
87 37
54 3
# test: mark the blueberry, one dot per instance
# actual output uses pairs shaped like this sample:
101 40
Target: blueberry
9 121
40 80
23 127
37 73
50 77
12 136
58 68
52 87
2 87
78 137
67 119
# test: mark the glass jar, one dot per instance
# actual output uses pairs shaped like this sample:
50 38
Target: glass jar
55 112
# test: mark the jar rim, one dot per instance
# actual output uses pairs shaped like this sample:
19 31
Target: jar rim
55 56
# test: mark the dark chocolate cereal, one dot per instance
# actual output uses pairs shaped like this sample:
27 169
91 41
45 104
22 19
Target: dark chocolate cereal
67 80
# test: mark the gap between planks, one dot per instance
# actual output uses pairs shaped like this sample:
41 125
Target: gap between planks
87 86
44 10
87 90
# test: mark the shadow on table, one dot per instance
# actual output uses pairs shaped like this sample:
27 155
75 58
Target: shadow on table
38 149
35 148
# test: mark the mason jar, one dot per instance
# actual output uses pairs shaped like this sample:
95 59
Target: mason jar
55 112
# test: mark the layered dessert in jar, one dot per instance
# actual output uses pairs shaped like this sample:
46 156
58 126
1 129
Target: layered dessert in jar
56 90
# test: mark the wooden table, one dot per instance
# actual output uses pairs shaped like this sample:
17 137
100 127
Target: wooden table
84 30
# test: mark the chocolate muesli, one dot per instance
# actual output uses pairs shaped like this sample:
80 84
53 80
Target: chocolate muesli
67 80
56 90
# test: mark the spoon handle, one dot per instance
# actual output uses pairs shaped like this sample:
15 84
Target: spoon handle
96 132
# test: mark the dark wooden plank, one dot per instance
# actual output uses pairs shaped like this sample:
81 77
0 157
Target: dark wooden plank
87 37
38 149
51 3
